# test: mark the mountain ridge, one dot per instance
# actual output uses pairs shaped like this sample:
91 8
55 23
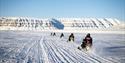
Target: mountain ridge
26 23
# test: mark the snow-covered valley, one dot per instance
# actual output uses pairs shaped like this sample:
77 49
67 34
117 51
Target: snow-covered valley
41 47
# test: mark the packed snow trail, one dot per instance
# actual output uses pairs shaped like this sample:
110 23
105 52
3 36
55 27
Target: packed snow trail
59 51
54 50
26 47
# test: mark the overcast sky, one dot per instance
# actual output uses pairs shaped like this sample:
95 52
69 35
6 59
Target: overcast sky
63 8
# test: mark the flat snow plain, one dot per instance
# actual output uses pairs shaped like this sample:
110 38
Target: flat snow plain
40 47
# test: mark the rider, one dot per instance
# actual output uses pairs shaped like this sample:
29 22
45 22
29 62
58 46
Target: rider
83 45
62 35
71 37
88 40
54 34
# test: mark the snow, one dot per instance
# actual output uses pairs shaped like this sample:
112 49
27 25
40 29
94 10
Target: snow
25 23
41 47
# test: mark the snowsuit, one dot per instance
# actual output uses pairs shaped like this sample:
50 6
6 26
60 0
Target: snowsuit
62 35
88 40
51 34
83 45
71 37
54 34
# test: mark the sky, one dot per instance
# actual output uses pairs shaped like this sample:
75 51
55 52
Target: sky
63 8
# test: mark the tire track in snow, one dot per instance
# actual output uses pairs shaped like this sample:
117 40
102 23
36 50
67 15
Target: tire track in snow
22 56
52 53
68 51
66 54
12 52
62 54
45 56
48 51
77 56
65 58
98 58
86 57
94 58
70 56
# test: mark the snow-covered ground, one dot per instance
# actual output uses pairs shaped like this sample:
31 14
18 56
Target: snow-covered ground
40 47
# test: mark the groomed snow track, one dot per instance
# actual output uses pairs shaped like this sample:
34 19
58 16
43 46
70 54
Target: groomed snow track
56 50
45 49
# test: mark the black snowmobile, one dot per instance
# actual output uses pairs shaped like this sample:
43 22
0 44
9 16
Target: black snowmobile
71 38
62 35
87 43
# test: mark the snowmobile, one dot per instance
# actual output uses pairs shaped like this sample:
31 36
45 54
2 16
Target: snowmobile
85 46
88 47
87 43
54 34
62 35
71 38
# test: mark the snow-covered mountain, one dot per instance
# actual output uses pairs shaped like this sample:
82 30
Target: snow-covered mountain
24 23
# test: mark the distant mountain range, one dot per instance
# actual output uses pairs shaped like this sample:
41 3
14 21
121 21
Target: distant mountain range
24 23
